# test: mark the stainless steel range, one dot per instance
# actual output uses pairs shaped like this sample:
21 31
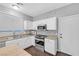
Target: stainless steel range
39 42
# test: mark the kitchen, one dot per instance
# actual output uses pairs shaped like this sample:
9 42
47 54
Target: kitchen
38 26
38 36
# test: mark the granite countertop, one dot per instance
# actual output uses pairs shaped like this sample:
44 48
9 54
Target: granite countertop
7 38
53 37
13 50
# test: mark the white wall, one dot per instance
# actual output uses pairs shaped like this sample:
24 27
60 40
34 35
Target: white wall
63 11
69 27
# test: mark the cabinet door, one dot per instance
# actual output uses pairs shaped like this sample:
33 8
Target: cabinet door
28 25
23 43
32 38
35 24
12 42
50 46
51 23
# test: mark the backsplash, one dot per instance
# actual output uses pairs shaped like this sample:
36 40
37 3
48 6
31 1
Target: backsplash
52 32
5 34
10 33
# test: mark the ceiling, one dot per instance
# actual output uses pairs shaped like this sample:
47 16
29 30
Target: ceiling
35 9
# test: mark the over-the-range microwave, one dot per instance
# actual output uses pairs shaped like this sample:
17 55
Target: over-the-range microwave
42 27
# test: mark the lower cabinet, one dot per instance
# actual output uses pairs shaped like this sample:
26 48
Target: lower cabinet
51 46
12 42
23 42
32 38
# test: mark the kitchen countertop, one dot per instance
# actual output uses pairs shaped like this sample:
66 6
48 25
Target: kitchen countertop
13 50
7 38
53 37
13 37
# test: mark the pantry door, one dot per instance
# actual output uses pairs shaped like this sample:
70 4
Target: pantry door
69 34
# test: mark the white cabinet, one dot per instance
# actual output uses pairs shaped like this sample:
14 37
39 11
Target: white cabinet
26 42
20 42
35 24
39 22
32 38
12 42
23 42
51 46
50 22
28 25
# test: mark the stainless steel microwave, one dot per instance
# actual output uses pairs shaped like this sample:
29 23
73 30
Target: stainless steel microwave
42 27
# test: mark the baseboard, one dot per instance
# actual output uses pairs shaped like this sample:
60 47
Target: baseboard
49 53
58 52
64 53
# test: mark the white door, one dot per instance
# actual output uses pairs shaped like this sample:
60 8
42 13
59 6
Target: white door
69 30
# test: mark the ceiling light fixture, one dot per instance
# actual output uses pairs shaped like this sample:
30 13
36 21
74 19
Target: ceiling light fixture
19 3
15 7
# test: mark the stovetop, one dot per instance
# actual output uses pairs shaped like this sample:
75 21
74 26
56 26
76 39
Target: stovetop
40 36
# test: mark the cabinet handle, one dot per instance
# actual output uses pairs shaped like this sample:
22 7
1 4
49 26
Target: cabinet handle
61 36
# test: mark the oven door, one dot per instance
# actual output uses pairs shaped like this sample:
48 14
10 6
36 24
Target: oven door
39 45
39 42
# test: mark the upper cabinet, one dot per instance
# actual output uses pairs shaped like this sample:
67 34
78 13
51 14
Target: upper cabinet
50 22
28 25
37 23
